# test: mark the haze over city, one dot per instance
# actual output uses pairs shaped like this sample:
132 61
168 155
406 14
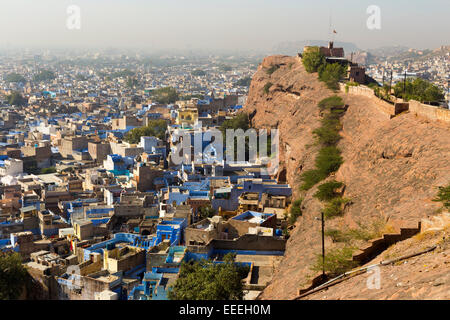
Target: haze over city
220 25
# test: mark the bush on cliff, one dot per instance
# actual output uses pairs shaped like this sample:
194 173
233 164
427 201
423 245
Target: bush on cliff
310 178
328 133
272 69
337 261
267 86
327 190
296 211
331 74
364 232
331 102
444 196
329 160
313 59
335 208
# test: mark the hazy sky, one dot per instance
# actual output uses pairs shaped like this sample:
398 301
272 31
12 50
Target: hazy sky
222 24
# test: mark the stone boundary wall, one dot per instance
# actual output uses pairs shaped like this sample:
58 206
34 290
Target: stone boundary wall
360 90
430 112
369 93
378 245
424 110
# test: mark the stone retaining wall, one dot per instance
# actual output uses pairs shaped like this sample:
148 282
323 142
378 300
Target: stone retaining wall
424 110
430 112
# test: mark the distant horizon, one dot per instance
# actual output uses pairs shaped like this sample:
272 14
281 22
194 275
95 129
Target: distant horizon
147 50
235 25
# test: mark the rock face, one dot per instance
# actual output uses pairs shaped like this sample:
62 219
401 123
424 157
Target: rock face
392 167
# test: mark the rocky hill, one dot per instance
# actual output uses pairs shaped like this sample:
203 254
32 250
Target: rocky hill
391 171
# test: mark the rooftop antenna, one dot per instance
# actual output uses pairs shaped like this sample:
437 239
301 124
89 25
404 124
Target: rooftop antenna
329 27
331 31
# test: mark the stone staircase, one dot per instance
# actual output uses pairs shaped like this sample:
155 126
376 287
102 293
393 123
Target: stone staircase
378 245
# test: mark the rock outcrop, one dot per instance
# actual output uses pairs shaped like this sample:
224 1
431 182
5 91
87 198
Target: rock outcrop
392 167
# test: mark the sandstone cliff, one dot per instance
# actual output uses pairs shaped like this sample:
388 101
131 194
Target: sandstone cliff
391 171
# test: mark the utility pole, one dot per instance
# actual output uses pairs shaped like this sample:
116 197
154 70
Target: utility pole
404 86
323 246
390 83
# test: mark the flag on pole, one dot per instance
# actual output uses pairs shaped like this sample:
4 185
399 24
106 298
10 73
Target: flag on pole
334 31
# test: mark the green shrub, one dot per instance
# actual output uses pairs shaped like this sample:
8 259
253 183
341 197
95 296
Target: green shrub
240 121
361 234
337 261
272 69
16 99
13 276
327 190
328 133
296 211
310 178
204 280
244 82
418 89
330 102
444 196
312 59
198 73
44 75
348 236
350 84
206 211
335 208
331 74
329 160
337 235
155 128
335 114
14 77
267 86
373 85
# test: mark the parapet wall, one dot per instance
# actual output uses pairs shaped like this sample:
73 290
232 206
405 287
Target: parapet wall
429 112
360 90
424 110
369 93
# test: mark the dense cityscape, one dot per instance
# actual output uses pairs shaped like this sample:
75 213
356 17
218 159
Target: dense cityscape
80 190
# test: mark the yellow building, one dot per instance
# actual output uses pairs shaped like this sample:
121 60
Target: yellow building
187 116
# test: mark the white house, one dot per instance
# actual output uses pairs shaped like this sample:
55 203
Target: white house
11 167
147 143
